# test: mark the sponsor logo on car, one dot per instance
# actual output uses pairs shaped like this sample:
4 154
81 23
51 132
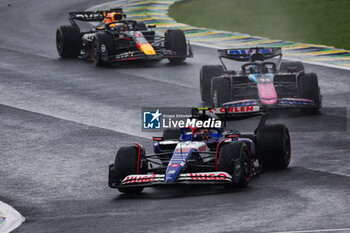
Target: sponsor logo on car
241 109
202 148
208 176
139 179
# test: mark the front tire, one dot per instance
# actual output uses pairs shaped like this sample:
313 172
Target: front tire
229 156
68 41
101 46
126 164
175 40
207 73
220 91
309 89
273 146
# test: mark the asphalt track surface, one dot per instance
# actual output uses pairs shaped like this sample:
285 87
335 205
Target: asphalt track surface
62 121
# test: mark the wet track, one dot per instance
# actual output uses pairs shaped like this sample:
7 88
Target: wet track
62 122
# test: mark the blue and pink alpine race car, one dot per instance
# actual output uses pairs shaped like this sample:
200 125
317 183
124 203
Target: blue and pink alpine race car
259 82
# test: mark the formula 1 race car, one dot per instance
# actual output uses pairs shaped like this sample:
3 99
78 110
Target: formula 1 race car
116 39
203 155
281 85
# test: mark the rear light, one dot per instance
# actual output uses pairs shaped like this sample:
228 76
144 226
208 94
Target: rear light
157 139
231 136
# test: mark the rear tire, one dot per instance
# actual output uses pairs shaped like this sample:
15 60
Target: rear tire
126 164
68 41
175 40
232 152
295 66
207 73
101 43
220 91
309 89
170 134
273 146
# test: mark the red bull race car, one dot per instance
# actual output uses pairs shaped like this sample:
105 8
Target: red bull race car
115 39
196 154
259 82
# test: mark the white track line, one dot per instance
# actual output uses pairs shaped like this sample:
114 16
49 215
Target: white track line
13 218
320 230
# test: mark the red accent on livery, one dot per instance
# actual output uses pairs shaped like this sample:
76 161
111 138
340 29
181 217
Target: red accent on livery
158 139
234 109
198 176
138 157
202 148
217 152
139 179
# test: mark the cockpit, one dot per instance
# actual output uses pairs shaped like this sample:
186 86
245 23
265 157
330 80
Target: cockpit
200 134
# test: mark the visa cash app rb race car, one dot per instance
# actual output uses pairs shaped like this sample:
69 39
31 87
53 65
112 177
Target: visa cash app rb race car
203 155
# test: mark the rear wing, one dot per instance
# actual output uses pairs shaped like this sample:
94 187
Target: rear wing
250 54
232 112
228 109
93 16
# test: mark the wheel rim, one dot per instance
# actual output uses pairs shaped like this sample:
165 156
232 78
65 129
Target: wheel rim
59 42
287 148
246 165
215 98
95 51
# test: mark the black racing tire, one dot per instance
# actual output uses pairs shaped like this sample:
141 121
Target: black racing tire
231 152
140 26
101 41
273 146
293 66
309 89
220 91
175 40
126 164
172 134
68 41
207 73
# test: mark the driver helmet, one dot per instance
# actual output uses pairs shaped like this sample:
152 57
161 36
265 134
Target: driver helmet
112 17
201 134
254 69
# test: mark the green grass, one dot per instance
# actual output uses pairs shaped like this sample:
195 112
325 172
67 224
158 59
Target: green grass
325 22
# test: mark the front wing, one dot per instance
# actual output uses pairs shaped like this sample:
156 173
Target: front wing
161 53
185 178
281 103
